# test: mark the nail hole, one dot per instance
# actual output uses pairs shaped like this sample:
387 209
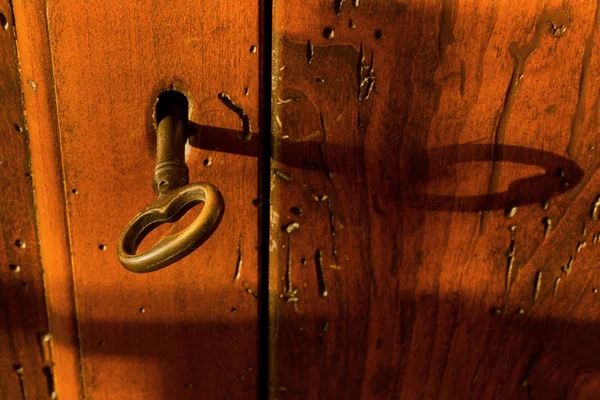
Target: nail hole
246 91
297 211
18 128
256 202
233 309
14 267
351 24
328 33
378 34
74 191
3 21
320 80
253 49
207 161
102 247
142 310
20 244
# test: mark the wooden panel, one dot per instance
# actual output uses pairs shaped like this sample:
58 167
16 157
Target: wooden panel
188 331
39 101
420 140
25 364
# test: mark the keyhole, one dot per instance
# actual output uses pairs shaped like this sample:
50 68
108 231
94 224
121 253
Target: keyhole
171 102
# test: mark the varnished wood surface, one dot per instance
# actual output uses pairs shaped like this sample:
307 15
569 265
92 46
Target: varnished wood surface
474 107
191 329
39 99
405 184
25 366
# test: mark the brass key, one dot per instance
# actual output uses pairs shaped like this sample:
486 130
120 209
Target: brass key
175 196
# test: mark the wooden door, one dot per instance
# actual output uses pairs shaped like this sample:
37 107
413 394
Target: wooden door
416 216
444 157
88 75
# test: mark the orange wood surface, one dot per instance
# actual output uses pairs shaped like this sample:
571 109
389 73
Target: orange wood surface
407 133
39 99
90 80
25 362
434 200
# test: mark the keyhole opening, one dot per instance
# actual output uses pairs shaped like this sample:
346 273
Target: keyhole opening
172 102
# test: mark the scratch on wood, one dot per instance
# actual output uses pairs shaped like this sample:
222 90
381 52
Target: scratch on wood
510 257
324 328
395 259
332 231
18 368
595 209
249 291
567 267
320 197
556 283
596 238
366 74
229 103
520 56
50 386
282 175
308 137
320 273
355 3
322 144
511 211
238 265
290 294
524 382
310 51
337 6
584 84
547 221
291 227
476 374
537 286
44 339
580 246
290 100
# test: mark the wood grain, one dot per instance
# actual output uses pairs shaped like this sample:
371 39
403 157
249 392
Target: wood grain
22 309
37 82
188 330
410 138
